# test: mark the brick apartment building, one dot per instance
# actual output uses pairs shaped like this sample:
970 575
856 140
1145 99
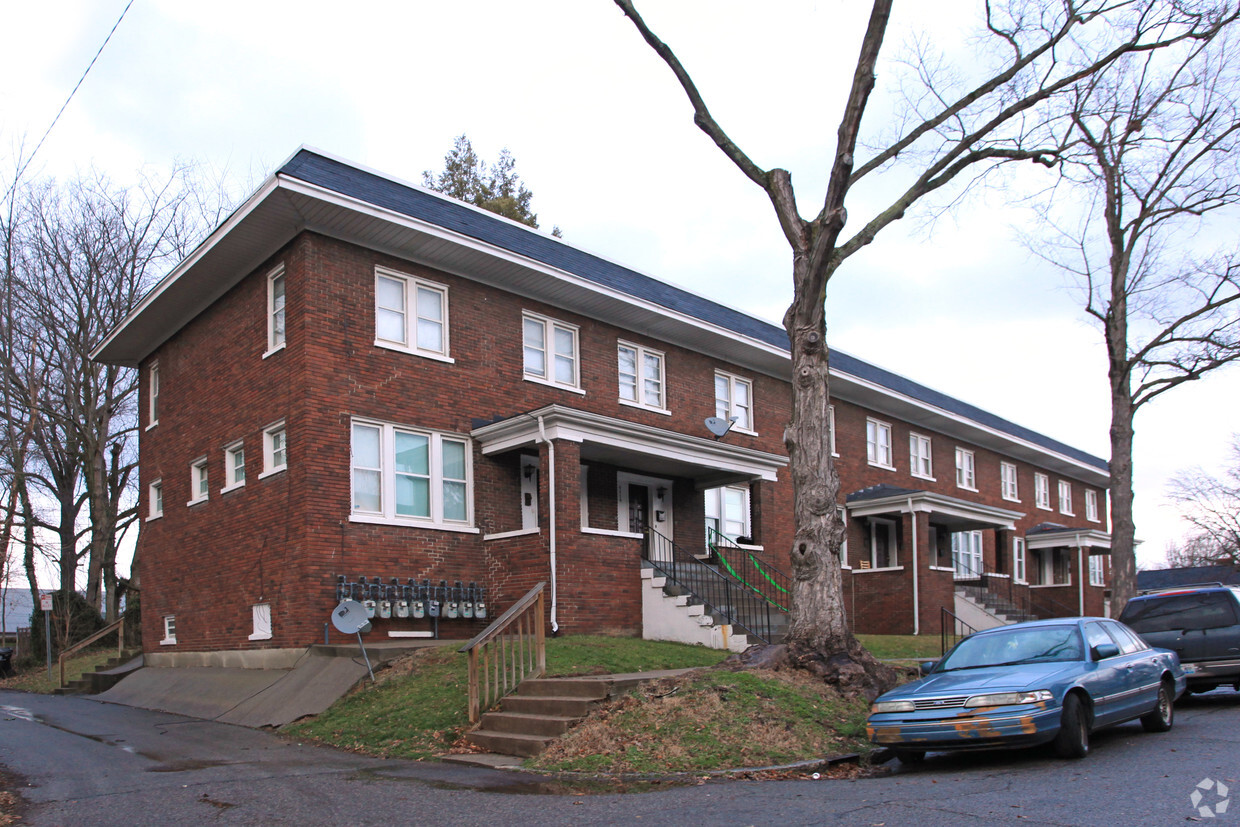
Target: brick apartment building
354 377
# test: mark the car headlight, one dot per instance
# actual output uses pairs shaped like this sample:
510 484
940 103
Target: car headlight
892 706
1009 698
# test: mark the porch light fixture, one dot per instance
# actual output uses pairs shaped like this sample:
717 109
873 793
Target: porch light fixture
661 491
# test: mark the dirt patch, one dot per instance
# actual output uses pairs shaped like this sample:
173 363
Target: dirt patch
12 805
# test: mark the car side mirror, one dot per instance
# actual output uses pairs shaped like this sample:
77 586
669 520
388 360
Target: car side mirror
928 666
1105 650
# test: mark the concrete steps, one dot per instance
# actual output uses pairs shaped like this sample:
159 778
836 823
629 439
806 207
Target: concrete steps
105 676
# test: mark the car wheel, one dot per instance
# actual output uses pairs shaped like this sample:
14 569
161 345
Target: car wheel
911 756
1162 716
1073 738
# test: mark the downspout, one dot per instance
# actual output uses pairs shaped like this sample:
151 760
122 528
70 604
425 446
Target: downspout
542 437
916 594
1080 576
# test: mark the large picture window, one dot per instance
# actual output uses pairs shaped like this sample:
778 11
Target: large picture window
411 314
405 475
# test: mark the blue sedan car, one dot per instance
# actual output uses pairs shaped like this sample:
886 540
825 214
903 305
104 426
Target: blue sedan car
1046 681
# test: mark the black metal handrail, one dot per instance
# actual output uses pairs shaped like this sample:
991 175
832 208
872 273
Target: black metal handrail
765 579
726 598
951 630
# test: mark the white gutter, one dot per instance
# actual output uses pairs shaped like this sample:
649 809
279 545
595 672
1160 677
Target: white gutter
1080 576
542 437
912 516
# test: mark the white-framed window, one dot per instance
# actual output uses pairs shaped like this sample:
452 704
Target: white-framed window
1091 505
1097 576
170 630
831 425
967 554
260 616
641 376
1042 491
550 351
153 396
234 466
411 314
1018 560
882 544
727 511
920 462
1007 482
275 449
1065 498
734 398
276 331
155 499
878 443
410 475
199 486
966 475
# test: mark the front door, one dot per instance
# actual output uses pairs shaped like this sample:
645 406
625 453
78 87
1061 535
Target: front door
639 507
646 501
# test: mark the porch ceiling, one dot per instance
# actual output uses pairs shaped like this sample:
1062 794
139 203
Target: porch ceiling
950 512
709 463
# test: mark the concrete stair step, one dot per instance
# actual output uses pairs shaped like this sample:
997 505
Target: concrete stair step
547 705
523 723
510 743
578 688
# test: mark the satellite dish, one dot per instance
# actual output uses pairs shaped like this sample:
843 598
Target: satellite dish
349 617
720 427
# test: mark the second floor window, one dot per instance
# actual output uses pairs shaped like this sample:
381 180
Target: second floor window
199 486
965 472
411 314
734 398
153 377
1065 498
275 448
1007 479
920 464
1042 491
878 443
641 376
549 351
275 310
234 466
1091 505
156 496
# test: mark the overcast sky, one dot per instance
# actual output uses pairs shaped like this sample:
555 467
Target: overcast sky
604 137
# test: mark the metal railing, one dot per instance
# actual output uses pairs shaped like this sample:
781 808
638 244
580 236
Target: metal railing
117 626
727 599
765 579
511 649
951 630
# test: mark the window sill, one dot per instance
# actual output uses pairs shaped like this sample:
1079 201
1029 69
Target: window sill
537 381
504 535
737 429
155 516
273 351
880 465
629 403
943 568
168 641
232 488
198 501
884 568
1050 585
152 425
1000 576
1043 507
922 477
1067 513
968 488
1020 582
1093 520
260 637
1011 499
425 354
376 519
273 472
608 532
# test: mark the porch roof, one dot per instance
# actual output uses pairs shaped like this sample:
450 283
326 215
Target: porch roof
709 463
951 512
1054 535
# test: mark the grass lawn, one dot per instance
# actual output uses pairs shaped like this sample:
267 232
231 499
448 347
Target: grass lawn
418 708
34 678
911 647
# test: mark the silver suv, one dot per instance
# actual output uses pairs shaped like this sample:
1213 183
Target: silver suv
1199 623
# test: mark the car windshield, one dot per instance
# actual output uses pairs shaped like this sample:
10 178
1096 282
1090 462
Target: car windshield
1038 644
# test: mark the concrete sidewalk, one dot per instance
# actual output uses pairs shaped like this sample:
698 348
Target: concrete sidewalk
298 685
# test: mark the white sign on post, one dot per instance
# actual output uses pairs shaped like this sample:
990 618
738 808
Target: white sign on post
45 602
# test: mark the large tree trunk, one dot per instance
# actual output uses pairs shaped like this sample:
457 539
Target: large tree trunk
1123 529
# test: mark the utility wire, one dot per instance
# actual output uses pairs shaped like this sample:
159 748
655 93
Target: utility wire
23 167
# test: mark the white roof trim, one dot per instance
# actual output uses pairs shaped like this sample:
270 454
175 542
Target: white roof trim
1069 538
584 427
930 503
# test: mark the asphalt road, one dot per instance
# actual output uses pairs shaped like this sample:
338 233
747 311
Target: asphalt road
90 763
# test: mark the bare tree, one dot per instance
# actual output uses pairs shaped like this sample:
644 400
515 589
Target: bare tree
1031 54
1210 504
1158 169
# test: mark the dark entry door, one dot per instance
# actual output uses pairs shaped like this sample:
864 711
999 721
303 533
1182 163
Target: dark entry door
639 506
